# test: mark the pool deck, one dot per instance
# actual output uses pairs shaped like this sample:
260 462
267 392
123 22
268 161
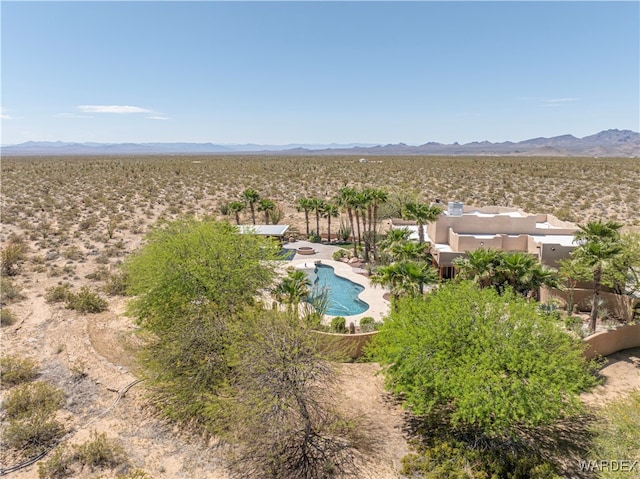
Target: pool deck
378 306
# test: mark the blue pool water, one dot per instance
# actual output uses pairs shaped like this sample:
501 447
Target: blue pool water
343 294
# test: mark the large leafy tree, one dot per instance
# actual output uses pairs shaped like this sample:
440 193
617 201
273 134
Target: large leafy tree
482 361
189 280
599 245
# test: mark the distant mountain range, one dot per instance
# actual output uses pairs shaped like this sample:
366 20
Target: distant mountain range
609 143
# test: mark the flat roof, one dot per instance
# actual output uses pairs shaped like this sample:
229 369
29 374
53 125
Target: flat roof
265 230
482 214
563 240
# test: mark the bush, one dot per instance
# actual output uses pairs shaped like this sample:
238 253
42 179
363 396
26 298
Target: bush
86 301
7 317
9 291
17 370
339 324
32 434
58 294
572 322
100 452
368 324
314 237
12 255
339 254
33 399
116 284
57 466
617 434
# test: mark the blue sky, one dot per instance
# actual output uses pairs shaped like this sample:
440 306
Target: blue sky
317 72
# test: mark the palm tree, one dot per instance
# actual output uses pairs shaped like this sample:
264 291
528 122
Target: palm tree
409 251
292 290
236 207
405 278
329 210
478 265
267 206
317 204
523 273
251 197
598 246
395 235
378 196
304 204
421 213
344 201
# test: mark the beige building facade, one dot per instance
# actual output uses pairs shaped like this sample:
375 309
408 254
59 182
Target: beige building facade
465 228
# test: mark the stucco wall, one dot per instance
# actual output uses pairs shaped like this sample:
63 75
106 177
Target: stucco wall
609 342
619 306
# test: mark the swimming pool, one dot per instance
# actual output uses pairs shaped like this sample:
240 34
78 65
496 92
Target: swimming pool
343 293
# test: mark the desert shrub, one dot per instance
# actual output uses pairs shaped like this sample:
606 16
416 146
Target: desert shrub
314 237
368 324
116 284
33 398
100 452
9 291
58 465
86 301
73 253
572 322
7 317
58 294
339 254
99 274
339 324
32 434
11 257
617 435
16 370
453 459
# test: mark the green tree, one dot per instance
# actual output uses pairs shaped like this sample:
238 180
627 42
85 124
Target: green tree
329 210
191 278
317 205
422 214
236 207
344 201
251 197
405 278
304 204
598 246
505 269
267 206
293 289
482 361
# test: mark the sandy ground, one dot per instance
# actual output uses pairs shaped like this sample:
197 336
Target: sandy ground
90 357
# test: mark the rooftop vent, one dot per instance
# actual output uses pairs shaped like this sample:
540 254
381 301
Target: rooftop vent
456 208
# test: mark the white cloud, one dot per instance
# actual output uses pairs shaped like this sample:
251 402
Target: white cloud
112 109
5 117
158 118
558 101
71 115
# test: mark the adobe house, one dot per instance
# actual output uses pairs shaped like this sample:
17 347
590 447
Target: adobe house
463 228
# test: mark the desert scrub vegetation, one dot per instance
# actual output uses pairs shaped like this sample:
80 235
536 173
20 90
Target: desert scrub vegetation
29 411
98 453
616 436
17 370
